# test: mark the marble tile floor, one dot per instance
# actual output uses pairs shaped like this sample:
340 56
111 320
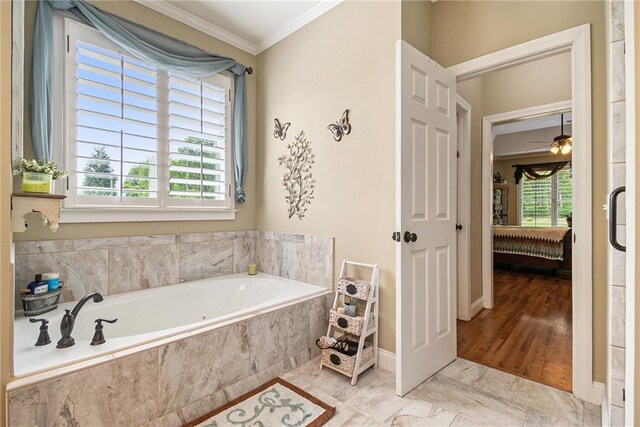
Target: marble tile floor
462 394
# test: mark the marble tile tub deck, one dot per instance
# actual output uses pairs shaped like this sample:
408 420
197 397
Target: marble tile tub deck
171 382
462 394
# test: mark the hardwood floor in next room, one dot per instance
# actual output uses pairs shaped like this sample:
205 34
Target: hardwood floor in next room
528 331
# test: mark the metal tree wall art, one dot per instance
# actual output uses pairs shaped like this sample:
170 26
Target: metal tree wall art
297 181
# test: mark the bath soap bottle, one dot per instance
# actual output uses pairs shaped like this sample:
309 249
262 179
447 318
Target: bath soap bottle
52 280
36 287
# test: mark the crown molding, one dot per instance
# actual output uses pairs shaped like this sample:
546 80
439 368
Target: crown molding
213 30
297 23
200 24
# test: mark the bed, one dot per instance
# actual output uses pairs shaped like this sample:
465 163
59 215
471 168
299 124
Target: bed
542 247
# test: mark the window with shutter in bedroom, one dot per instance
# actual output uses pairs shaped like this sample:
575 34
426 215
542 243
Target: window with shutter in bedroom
546 202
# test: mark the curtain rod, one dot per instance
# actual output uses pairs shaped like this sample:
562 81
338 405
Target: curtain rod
539 164
249 70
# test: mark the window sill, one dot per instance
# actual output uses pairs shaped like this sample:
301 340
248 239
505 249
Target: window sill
89 215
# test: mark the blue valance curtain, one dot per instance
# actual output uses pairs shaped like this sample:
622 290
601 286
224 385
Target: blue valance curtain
161 50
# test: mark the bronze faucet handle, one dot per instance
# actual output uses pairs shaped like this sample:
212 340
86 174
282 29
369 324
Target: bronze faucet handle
98 336
43 337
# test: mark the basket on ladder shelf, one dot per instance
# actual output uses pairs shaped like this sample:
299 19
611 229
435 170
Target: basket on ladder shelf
363 327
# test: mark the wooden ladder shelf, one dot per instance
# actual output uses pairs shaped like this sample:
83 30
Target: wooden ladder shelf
363 327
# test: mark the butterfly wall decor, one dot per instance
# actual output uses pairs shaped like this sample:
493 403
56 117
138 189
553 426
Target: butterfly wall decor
341 127
280 131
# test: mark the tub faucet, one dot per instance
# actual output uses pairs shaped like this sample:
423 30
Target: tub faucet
69 318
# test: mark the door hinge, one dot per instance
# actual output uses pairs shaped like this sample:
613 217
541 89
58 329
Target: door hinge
229 190
623 394
458 154
67 43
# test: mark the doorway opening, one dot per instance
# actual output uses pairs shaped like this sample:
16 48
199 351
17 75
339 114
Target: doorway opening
528 329
425 275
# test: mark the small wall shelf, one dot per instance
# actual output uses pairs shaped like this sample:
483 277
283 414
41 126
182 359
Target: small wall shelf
47 205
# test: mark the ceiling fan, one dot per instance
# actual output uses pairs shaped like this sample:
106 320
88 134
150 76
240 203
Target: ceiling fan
561 143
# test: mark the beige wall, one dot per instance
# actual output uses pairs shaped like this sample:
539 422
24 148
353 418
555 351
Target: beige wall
504 166
416 24
463 30
540 82
501 91
344 59
6 305
245 217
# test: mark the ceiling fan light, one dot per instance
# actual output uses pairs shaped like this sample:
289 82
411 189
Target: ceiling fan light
566 148
554 149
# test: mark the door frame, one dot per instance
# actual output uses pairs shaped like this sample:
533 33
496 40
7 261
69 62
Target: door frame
577 41
488 122
466 308
631 197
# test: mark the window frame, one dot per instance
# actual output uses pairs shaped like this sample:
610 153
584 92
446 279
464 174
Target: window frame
554 200
139 209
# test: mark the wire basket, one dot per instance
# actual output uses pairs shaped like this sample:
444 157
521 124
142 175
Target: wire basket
34 305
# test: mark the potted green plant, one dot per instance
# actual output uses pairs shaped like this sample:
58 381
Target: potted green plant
38 175
569 218
499 179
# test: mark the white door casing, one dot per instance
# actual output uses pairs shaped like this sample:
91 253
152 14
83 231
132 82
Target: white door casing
577 40
466 309
425 205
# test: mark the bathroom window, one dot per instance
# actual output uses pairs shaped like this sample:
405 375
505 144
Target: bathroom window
139 138
546 202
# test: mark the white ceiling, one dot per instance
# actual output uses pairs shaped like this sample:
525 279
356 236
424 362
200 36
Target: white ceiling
250 25
533 123
528 136
529 142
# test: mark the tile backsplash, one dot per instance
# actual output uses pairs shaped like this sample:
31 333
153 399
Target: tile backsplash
115 265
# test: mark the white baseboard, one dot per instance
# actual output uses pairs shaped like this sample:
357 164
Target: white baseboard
597 393
476 307
604 409
386 360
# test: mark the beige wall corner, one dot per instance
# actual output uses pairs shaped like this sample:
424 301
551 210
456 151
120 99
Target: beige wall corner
463 30
133 11
345 59
5 203
416 24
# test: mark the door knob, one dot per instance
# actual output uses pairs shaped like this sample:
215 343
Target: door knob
396 236
410 237
458 227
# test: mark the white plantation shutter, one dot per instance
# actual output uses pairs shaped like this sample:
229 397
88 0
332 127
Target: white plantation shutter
139 136
564 195
116 133
536 202
198 155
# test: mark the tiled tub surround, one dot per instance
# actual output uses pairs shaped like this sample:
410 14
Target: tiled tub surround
125 264
169 383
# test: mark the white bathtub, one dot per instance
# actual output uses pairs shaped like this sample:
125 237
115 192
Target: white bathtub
153 314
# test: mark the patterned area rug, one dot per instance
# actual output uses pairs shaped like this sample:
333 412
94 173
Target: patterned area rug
273 404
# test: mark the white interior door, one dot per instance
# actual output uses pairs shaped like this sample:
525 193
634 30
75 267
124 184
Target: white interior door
425 217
